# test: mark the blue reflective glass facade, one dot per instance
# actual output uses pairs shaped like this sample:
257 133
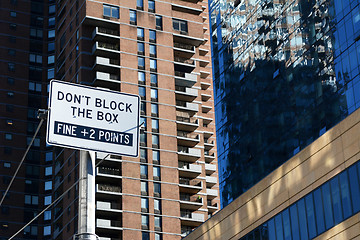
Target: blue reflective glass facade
284 73
312 215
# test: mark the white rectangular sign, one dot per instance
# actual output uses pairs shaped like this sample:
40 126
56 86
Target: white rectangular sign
88 118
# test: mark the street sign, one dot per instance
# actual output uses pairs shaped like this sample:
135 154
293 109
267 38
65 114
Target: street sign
89 118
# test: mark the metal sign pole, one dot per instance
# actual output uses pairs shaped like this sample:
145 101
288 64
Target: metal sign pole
86 227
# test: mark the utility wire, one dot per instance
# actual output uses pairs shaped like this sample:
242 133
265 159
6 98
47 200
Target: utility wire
22 160
57 200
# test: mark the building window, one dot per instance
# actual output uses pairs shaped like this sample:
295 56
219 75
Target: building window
153 79
151 5
11 52
140 33
51 73
31 230
143 155
154 110
47 230
11 67
142 93
11 81
51 47
145 236
141 48
141 77
158 22
140 4
142 139
51 59
8 136
48 171
12 14
180 25
144 204
141 63
157 206
144 221
157 190
154 94
111 11
153 65
156 173
51 22
47 200
31 200
35 58
48 156
7 165
51 9
144 188
48 185
143 171
47 215
12 26
132 17
155 125
51 34
157 221
143 121
152 36
156 156
152 50
142 108
34 86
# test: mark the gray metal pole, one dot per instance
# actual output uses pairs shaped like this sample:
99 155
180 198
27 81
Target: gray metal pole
86 226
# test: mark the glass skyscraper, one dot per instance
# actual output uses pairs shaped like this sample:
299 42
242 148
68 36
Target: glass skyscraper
284 72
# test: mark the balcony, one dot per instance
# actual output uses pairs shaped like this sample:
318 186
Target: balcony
185 63
189 170
183 50
185 79
212 207
204 74
187 139
185 94
187 9
203 62
187 185
205 97
188 154
192 202
106 64
191 219
205 108
108 172
105 34
209 157
208 144
186 123
108 189
210 181
108 206
108 224
205 85
203 51
210 168
187 106
106 49
208 134
106 80
211 193
187 39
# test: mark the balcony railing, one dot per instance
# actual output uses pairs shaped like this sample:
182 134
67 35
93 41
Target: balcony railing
110 46
109 188
190 198
108 31
184 60
190 182
187 135
111 171
108 205
108 223
184 46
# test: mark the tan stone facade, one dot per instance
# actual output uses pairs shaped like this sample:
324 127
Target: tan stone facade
326 157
